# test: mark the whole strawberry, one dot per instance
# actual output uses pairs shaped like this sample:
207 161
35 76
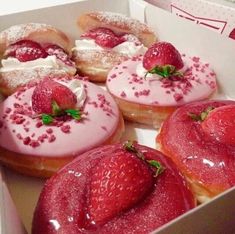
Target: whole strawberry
163 58
51 99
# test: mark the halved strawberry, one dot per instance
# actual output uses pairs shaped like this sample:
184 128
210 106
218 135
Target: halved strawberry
162 58
50 97
220 124
104 37
25 50
59 53
117 184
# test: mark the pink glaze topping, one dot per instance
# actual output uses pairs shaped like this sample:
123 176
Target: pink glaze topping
21 132
198 82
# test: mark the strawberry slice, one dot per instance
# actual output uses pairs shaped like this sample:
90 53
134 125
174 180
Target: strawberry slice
59 53
104 37
162 57
220 124
50 97
25 50
117 184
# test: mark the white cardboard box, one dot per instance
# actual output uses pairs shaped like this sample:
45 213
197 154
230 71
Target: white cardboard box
217 216
216 15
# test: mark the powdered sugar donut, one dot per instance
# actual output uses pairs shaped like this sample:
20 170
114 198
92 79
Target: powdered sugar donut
32 51
40 131
108 39
151 98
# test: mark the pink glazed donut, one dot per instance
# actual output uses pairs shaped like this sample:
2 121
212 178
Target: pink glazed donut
150 99
33 148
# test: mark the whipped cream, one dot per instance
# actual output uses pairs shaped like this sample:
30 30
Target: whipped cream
12 64
129 48
78 89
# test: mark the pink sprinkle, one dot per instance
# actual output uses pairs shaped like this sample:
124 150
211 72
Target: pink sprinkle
34 144
1 124
26 129
65 128
196 59
8 110
49 130
113 76
104 128
18 135
26 140
123 94
39 124
177 97
51 138
19 120
124 67
33 135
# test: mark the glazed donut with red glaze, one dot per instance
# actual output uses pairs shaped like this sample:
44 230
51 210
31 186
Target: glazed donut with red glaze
107 39
113 189
199 137
40 131
32 51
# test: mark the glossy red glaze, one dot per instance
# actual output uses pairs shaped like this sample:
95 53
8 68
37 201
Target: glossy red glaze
220 124
63 206
204 159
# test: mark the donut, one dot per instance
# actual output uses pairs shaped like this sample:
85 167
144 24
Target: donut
108 38
44 125
199 137
120 188
32 51
148 95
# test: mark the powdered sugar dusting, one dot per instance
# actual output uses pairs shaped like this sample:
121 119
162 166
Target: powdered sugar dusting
21 31
122 21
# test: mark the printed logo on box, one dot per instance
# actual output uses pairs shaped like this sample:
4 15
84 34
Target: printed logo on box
216 25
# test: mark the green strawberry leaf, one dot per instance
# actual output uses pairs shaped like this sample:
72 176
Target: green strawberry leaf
165 71
202 116
75 114
47 119
156 165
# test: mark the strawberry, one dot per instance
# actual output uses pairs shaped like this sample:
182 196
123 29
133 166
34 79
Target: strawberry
117 184
104 37
163 59
59 53
220 124
26 50
51 97
232 34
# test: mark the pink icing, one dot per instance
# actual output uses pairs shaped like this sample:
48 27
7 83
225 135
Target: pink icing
21 133
198 82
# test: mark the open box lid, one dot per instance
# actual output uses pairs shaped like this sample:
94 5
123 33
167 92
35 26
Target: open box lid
188 38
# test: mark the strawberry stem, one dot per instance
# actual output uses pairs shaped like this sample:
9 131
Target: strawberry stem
202 116
165 71
129 146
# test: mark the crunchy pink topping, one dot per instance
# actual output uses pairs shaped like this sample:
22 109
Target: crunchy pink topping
51 138
65 128
49 130
177 97
26 140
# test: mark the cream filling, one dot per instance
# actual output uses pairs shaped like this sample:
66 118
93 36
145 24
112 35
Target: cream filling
128 47
50 62
78 89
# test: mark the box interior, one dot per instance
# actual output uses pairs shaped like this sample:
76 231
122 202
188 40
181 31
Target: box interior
188 38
